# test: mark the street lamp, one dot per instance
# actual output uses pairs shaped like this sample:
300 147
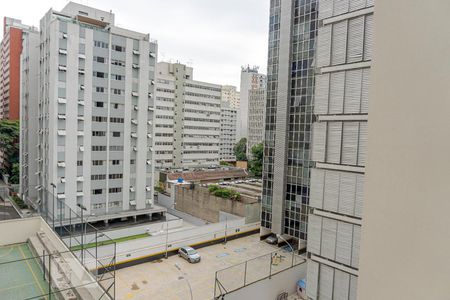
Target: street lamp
183 276
289 244
53 211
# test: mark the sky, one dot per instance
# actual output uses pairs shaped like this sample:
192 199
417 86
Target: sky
215 37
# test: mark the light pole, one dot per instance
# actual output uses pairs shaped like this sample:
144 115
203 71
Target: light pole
289 244
183 276
82 207
167 237
53 210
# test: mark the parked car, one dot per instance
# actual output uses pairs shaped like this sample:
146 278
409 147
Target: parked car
189 254
272 239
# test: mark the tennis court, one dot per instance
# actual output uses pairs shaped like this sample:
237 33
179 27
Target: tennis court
20 276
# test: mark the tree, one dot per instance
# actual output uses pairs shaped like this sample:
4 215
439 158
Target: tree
240 149
9 145
256 161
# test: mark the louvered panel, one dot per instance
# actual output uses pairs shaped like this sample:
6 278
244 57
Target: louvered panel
340 7
356 245
362 149
341 285
347 193
355 39
337 86
325 9
333 145
319 141
370 3
353 287
344 243
339 43
353 82
368 39
324 46
314 234
365 90
321 94
359 195
331 191
350 143
317 185
312 278
328 245
357 4
326 278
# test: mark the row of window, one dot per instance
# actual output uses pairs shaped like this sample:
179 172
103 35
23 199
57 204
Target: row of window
103 148
100 119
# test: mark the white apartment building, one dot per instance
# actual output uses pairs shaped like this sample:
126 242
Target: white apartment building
250 80
231 95
228 122
256 113
344 54
95 114
29 92
187 123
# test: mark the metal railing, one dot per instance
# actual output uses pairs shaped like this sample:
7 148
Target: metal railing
265 266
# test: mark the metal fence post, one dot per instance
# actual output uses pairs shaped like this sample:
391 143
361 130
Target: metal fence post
270 269
245 272
49 276
43 263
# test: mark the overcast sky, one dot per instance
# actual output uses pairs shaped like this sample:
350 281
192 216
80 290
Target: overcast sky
215 37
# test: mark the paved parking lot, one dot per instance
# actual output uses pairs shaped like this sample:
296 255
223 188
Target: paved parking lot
163 280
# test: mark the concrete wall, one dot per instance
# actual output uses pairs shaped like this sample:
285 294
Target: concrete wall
269 289
18 230
200 203
405 237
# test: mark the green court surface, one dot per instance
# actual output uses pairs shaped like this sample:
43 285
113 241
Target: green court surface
20 278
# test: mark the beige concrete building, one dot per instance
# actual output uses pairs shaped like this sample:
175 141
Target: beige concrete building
405 232
231 95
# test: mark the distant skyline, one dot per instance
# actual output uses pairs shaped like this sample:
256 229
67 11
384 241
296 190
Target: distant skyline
215 37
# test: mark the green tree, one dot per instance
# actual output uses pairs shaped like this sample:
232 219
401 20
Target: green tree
240 149
256 161
9 144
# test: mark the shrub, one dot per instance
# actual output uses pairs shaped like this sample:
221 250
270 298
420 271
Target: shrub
19 202
223 192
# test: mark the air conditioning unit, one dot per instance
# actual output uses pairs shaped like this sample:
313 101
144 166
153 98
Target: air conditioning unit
136 52
134 121
134 94
62 51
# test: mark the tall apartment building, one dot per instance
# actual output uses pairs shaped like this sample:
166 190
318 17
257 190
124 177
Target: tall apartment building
228 123
288 118
344 54
256 110
250 80
29 98
231 95
96 106
187 123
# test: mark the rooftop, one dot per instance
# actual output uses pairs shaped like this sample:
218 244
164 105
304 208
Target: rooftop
208 175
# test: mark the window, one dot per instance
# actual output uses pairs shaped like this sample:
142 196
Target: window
115 190
97 192
100 74
115 162
99 104
98 133
116 120
118 77
115 176
98 148
97 162
115 148
99 119
98 177
118 48
115 105
99 89
117 91
114 203
116 134
118 62
79 163
132 161
99 59
100 44
98 205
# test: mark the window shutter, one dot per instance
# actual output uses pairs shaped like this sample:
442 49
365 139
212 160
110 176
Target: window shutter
347 193
331 191
326 278
355 39
333 145
350 143
357 4
341 285
353 82
370 3
321 94
314 233
317 186
312 278
339 43
328 246
353 287
365 90
325 9
324 46
337 86
319 141
359 195
362 144
356 245
344 243
368 40
340 7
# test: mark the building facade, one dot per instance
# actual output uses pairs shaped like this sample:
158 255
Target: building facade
344 54
95 114
29 98
187 123
231 95
288 118
256 110
251 79
228 122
